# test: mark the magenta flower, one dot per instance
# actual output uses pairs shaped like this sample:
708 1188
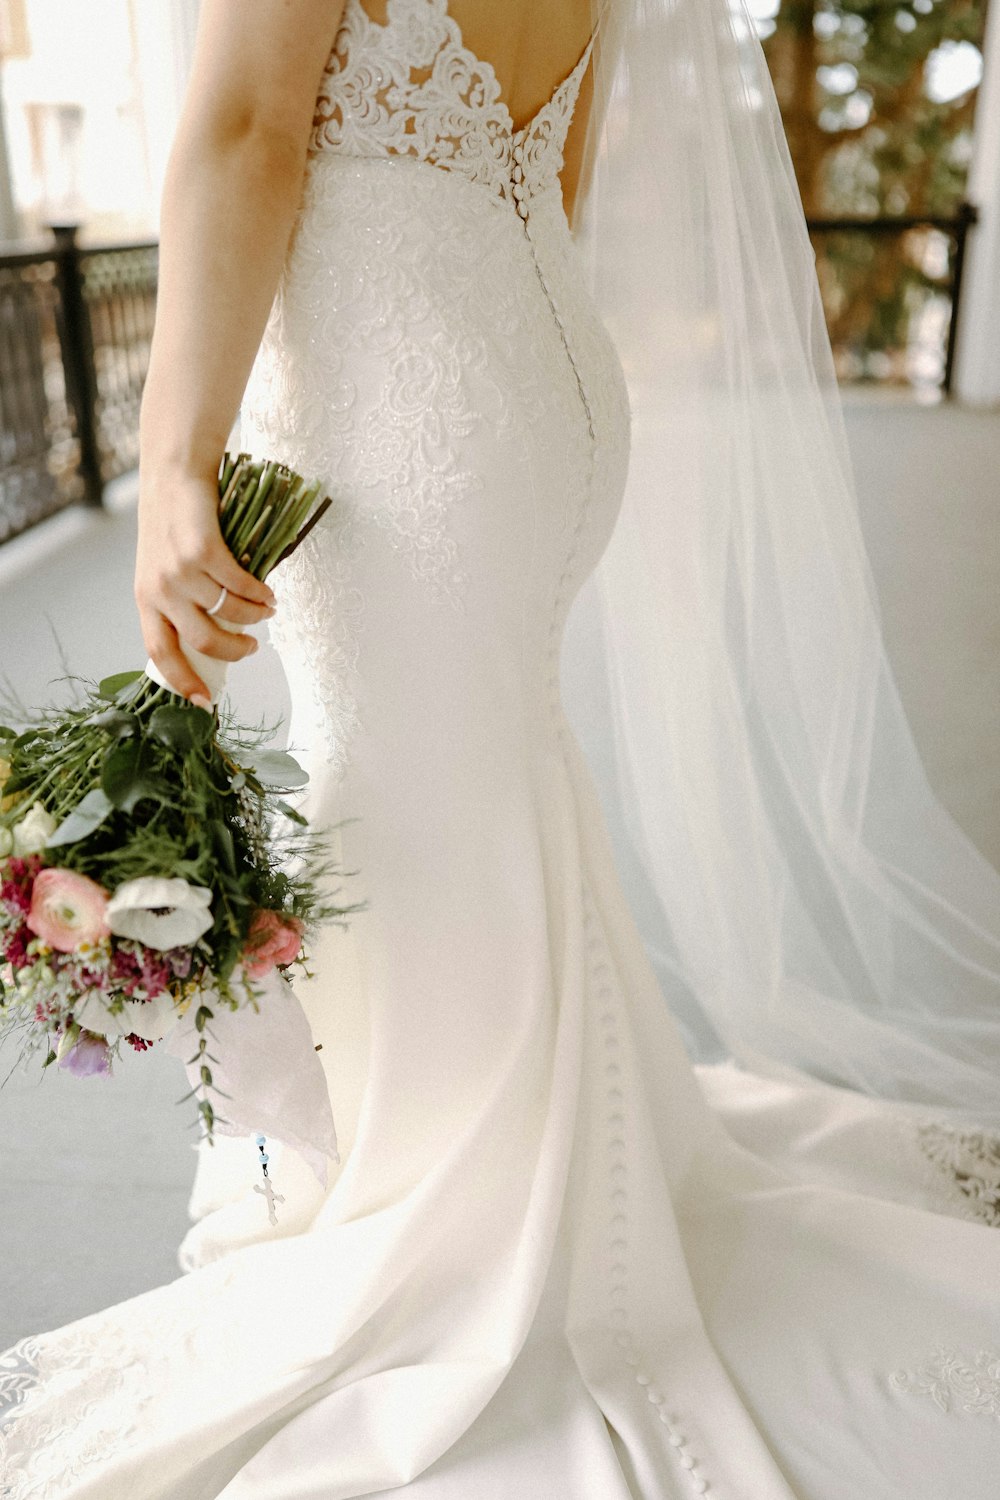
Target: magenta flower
15 887
138 1043
88 1057
15 947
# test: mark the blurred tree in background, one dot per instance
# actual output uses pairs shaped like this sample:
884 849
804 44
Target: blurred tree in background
877 98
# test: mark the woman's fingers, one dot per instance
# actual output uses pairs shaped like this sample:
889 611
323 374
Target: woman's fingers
237 610
182 565
191 546
201 631
219 563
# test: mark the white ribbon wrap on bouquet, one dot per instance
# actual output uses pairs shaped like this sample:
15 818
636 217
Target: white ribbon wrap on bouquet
211 669
268 1067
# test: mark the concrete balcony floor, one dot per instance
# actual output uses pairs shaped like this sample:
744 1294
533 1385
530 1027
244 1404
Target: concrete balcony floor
97 1174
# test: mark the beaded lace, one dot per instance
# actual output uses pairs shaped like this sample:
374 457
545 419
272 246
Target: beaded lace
356 282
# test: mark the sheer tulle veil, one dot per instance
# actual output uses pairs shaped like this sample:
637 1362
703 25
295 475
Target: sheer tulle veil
813 904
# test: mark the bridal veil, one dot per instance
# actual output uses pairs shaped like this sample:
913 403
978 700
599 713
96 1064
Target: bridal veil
814 905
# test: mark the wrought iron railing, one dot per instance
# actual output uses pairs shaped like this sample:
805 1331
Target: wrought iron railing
956 227
75 329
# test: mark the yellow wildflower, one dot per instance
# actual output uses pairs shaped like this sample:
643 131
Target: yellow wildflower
15 797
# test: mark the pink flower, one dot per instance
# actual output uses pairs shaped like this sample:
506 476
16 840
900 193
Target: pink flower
272 939
88 1057
67 909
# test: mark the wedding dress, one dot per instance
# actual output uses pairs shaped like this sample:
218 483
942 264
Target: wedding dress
554 1259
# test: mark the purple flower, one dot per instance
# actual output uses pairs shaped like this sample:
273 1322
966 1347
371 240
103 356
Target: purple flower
88 1057
180 961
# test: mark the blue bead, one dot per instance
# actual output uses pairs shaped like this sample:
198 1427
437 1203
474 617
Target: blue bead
264 1158
261 1139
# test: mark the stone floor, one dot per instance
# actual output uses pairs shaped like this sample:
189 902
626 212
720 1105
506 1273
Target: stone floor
96 1174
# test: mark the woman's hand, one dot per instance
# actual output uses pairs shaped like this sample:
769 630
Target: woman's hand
232 189
182 566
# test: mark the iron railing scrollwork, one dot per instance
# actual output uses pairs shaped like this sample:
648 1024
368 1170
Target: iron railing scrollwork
75 328
956 227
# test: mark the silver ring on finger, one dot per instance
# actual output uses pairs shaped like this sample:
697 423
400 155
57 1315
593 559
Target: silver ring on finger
219 602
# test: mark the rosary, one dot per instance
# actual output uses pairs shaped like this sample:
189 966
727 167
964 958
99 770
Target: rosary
267 1190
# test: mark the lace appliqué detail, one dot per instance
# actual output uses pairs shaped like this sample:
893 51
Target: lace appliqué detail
94 1402
412 88
969 1383
391 347
970 1161
317 631
407 440
43 1452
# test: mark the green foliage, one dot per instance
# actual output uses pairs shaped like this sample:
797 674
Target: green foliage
867 138
881 144
156 789
88 815
113 687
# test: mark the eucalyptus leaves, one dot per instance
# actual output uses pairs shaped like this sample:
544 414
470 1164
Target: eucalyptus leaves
149 859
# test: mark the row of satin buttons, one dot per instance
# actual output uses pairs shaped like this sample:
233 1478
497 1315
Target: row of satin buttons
606 1002
519 189
602 990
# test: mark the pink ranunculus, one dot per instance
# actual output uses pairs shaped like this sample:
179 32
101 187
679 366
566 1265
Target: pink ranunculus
272 939
88 1057
67 909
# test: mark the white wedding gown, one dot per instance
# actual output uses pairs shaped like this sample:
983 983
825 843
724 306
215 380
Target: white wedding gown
557 1262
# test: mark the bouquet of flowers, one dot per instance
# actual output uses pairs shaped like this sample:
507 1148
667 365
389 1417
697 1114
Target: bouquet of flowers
149 859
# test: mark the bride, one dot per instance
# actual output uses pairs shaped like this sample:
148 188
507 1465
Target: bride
567 1249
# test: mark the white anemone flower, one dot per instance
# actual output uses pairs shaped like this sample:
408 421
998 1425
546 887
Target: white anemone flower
150 1019
159 912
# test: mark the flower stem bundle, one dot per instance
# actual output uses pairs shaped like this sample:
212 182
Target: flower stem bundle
265 511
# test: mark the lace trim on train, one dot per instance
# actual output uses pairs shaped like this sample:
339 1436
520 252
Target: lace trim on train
77 1404
86 1420
970 1159
412 88
956 1381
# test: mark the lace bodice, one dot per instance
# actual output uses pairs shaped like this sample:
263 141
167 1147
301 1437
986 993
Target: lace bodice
412 88
421 315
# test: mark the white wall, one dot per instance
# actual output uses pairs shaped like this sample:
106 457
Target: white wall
125 63
164 31
977 368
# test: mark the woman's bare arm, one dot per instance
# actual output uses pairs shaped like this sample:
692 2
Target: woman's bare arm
232 187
